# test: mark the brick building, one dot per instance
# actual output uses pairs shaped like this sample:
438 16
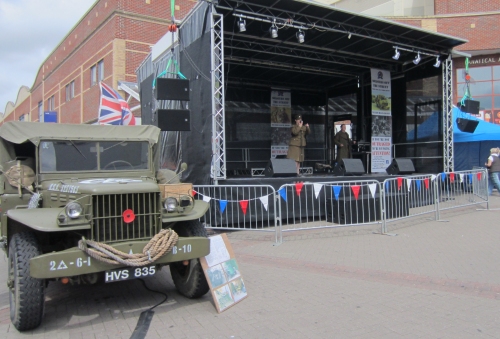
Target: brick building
476 21
107 44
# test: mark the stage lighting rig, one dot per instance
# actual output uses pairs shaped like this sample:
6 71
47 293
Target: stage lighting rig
396 55
300 36
242 24
438 62
417 59
274 30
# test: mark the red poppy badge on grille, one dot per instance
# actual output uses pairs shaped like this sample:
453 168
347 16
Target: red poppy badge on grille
128 216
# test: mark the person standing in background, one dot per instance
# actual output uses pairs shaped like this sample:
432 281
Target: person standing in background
493 165
297 143
343 143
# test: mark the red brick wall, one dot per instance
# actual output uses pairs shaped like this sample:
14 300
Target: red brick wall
464 6
477 29
140 24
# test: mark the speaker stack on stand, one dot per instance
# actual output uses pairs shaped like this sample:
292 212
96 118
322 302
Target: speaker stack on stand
165 89
468 125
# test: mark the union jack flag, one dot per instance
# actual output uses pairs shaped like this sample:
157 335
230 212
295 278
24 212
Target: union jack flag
113 110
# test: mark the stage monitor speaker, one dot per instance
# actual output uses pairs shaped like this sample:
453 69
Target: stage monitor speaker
349 167
469 106
171 89
400 166
146 96
281 168
174 119
467 125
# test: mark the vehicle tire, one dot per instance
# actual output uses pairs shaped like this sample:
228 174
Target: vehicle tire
26 294
196 285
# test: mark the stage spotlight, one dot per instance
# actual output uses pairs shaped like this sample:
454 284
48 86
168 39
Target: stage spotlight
417 59
242 24
274 31
300 36
396 55
438 62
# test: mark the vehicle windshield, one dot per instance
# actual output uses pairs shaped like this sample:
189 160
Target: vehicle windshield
72 156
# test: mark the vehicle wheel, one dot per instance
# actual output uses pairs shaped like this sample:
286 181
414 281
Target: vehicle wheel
190 280
26 294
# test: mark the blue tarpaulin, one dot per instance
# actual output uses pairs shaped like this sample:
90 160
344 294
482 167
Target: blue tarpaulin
470 149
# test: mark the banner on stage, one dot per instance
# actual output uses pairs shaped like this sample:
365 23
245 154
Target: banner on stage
381 92
281 121
381 147
381 153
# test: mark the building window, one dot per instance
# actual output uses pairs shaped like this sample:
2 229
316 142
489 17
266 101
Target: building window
97 73
70 90
22 117
100 70
93 75
40 111
484 87
51 103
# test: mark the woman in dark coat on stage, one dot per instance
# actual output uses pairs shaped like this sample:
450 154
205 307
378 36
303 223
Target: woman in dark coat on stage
343 143
298 141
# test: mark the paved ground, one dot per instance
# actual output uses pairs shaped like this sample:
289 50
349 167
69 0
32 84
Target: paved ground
432 280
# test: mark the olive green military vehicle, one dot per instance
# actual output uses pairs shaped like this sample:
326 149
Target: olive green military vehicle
65 187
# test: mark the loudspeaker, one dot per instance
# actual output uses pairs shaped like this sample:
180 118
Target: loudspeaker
281 168
171 89
470 106
174 119
349 167
466 125
400 166
146 96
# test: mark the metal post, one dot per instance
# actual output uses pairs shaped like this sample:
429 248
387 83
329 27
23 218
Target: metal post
218 99
448 164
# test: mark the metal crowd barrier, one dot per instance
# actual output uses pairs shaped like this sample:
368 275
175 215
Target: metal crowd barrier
329 204
242 207
306 205
409 196
463 188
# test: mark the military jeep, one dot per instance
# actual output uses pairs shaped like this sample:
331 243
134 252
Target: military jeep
63 186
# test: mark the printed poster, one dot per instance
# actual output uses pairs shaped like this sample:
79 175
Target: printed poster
223 274
281 121
381 143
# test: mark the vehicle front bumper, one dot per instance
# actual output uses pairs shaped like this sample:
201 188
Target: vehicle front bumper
73 261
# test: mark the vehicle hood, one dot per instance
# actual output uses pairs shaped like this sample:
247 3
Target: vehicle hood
101 186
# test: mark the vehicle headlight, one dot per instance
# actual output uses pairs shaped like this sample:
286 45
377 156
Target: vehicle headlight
74 210
170 204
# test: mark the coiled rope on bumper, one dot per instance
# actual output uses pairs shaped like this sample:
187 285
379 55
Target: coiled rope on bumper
161 243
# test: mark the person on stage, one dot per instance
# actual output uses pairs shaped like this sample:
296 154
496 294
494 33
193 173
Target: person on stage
343 143
298 141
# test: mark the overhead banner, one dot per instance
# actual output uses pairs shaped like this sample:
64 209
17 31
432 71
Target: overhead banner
281 121
381 143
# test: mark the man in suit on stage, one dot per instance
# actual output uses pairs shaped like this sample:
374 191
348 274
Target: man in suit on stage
343 143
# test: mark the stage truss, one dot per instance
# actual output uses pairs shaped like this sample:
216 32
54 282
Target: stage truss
448 164
218 113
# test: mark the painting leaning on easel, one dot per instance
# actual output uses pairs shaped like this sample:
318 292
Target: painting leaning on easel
223 274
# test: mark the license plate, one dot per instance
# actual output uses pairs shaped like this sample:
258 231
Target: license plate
128 273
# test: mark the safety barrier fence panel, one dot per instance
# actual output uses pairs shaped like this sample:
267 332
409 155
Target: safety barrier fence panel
329 204
241 207
462 188
409 196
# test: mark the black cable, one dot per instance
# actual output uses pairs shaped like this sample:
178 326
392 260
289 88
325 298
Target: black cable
146 287
142 327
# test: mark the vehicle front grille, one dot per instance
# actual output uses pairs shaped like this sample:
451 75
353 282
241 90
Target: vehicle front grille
108 220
